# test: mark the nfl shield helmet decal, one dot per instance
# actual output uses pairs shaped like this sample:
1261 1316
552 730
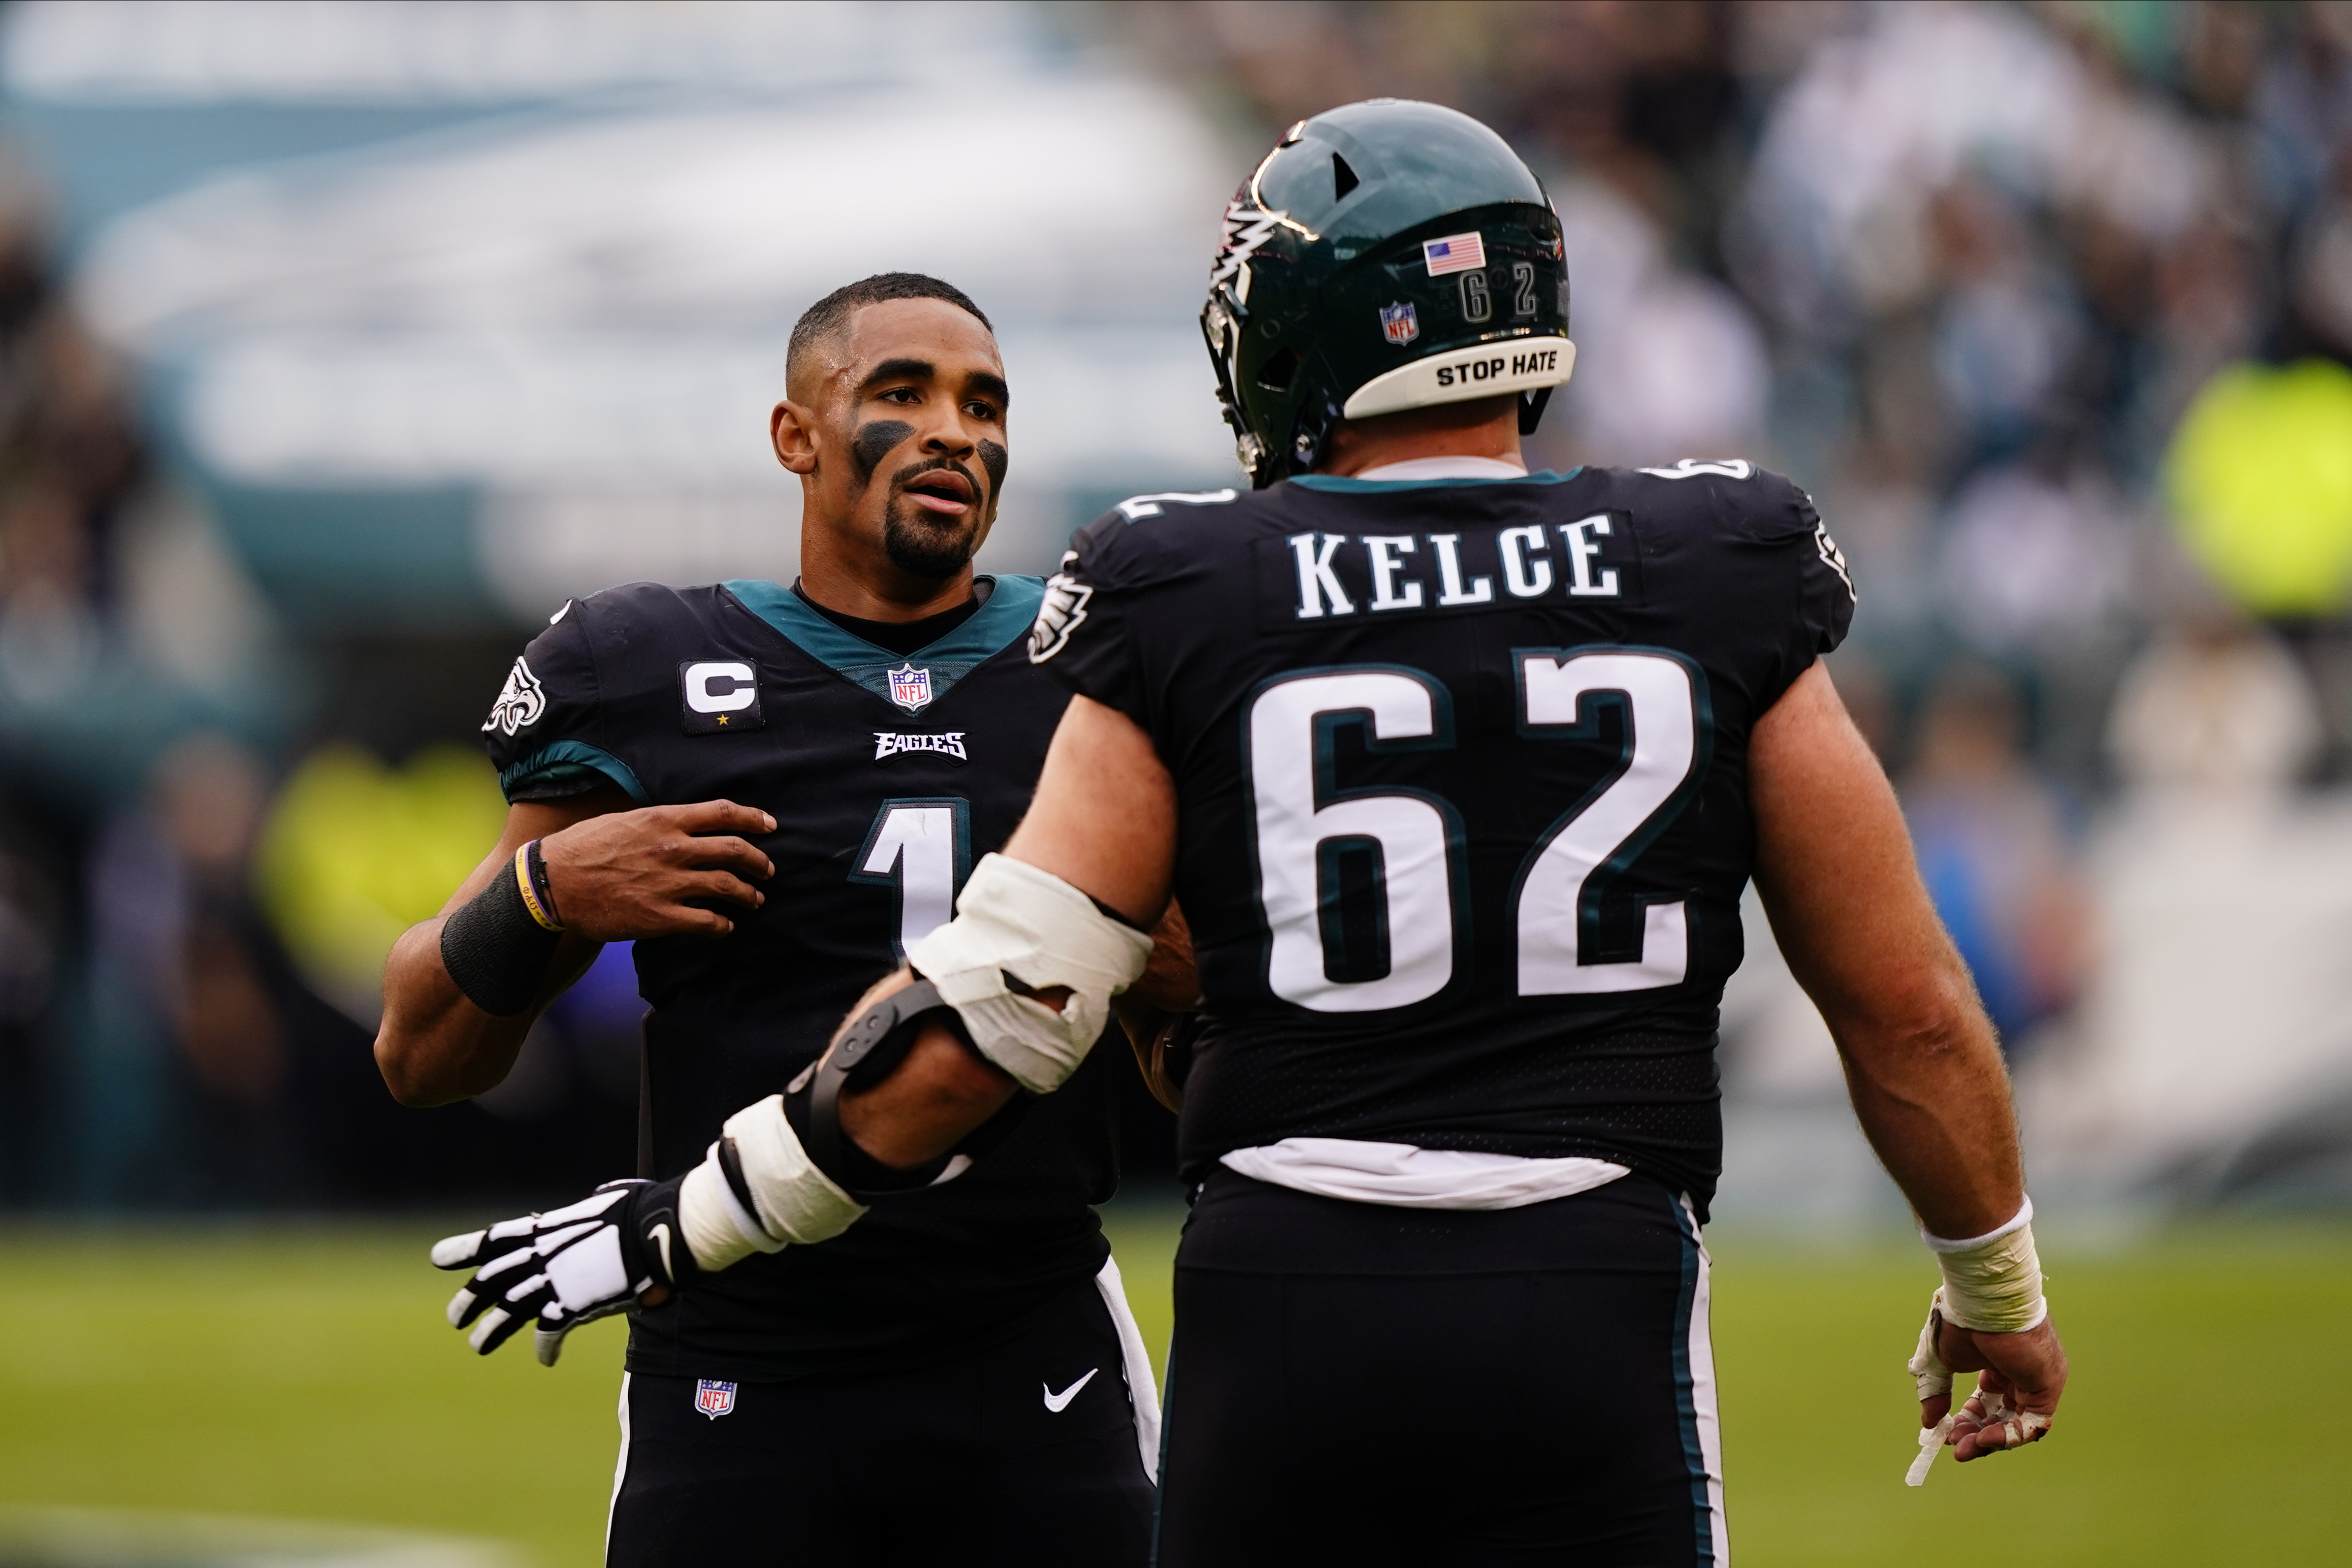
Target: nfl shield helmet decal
713 1398
911 688
1400 323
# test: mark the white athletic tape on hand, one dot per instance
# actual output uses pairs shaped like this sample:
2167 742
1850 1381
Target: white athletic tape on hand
791 1197
717 1228
1933 1378
1927 1369
1927 1364
1992 1284
1014 919
1931 1443
2018 1428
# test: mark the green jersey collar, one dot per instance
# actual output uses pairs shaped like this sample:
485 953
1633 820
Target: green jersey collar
1011 611
1352 486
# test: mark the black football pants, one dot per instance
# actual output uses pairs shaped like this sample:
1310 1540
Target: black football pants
1368 1385
998 1458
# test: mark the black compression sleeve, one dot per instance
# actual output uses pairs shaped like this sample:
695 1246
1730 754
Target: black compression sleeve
495 951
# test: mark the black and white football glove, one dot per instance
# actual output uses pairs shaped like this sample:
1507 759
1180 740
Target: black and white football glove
567 1267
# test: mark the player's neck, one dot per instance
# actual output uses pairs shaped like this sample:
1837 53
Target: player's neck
1456 430
889 594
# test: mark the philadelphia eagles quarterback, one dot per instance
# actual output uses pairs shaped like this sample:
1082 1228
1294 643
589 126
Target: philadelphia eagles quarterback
776 791
1458 772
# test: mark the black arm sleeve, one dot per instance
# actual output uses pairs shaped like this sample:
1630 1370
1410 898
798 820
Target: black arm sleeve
495 951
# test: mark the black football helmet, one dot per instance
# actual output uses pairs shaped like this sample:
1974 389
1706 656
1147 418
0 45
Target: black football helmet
1385 256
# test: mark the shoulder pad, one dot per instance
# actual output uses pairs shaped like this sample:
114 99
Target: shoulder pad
1692 468
1135 509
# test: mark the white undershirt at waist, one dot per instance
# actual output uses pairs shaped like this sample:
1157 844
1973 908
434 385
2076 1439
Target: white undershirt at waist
1403 1177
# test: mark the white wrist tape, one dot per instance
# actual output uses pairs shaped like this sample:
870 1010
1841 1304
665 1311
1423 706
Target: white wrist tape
1014 919
718 1229
793 1202
1992 1284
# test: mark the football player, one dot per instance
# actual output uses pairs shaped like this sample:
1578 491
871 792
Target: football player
1458 772
775 792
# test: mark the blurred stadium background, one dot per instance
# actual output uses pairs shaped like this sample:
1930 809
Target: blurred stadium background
339 342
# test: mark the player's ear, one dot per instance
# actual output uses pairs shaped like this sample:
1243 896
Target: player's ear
791 430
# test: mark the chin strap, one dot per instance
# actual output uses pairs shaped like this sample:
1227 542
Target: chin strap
1531 408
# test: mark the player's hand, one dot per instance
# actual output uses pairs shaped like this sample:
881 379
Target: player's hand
613 1249
2020 1378
630 874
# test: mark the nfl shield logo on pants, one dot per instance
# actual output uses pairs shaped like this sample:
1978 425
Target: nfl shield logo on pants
712 1398
1400 323
911 688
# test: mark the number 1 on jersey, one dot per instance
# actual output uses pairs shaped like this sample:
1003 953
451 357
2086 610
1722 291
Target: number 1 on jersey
922 848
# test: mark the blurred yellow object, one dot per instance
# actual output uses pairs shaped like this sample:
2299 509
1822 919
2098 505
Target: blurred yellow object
355 852
2259 475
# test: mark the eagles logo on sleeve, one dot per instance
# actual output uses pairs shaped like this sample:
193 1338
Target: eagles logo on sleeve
1064 607
520 700
1833 558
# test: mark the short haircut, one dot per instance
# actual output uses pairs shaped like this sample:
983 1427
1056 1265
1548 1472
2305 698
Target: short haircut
830 314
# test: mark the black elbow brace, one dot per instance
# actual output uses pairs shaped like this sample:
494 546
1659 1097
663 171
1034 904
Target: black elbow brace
496 948
868 1049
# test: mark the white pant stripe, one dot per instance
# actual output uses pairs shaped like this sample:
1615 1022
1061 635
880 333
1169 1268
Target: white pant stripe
1703 1400
619 1467
1143 1394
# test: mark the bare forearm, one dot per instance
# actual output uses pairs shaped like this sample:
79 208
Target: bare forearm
937 1096
1935 1104
618 873
435 1045
1835 867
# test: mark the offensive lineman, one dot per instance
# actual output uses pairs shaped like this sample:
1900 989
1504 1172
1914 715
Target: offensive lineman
1458 772
884 730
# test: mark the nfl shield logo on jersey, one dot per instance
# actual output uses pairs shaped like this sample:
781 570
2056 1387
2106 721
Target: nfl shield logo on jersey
712 1398
911 688
1400 323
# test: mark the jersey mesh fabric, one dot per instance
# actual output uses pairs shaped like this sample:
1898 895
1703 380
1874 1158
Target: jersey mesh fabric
877 803
1458 599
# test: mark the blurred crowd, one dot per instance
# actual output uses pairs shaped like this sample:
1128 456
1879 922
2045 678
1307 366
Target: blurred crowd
2048 305
197 882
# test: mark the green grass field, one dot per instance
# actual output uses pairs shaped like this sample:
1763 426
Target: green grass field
305 1373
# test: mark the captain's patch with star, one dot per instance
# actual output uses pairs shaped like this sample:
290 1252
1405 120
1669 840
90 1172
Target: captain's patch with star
719 696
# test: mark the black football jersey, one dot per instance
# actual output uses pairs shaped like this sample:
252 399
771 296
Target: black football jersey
1461 769
889 776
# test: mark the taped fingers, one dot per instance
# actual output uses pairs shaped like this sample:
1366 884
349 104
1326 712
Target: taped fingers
1990 1424
1931 1443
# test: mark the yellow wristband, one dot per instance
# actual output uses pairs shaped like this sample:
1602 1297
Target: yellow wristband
531 899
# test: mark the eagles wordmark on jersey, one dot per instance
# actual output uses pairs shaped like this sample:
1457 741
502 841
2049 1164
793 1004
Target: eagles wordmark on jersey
889 774
1483 742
